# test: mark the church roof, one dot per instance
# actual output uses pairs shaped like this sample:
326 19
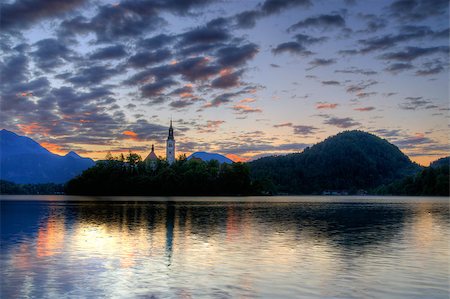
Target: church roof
152 156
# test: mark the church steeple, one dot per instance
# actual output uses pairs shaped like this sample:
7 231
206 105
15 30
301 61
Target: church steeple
170 131
170 145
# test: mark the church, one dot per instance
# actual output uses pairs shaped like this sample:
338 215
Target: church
170 149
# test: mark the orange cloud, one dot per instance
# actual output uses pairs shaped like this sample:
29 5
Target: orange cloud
245 109
236 158
53 147
247 100
26 94
211 126
130 134
225 72
326 105
32 128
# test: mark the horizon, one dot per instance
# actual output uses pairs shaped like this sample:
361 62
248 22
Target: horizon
229 156
245 80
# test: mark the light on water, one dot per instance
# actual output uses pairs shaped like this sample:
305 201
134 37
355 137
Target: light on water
295 247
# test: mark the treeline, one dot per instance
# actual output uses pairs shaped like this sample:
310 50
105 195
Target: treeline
432 181
350 161
7 187
132 176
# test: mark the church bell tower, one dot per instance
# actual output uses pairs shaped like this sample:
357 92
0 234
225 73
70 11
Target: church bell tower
170 146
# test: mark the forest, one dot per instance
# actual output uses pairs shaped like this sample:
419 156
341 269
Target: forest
131 176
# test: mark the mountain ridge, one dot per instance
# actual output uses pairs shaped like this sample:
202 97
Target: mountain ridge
24 160
205 156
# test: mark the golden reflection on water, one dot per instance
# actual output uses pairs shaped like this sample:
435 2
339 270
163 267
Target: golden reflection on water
142 250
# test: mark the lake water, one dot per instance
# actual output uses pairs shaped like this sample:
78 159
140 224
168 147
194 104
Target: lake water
261 247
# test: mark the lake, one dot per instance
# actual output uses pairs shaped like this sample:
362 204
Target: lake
240 247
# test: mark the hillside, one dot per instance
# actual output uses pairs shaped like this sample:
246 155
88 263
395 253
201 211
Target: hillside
350 160
25 161
433 180
441 162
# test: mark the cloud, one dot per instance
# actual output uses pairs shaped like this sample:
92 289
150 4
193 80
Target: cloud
22 13
357 71
396 68
291 47
130 134
374 22
343 123
411 53
211 126
407 33
221 99
115 22
14 69
331 82
231 56
228 97
247 19
322 22
156 88
128 19
183 92
412 141
321 62
156 42
247 100
111 52
184 102
90 76
145 58
148 131
288 124
360 87
244 109
323 105
413 103
204 35
304 130
431 68
191 69
362 95
393 133
50 53
227 80
417 10
364 109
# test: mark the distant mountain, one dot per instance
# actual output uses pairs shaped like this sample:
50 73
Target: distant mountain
350 160
22 160
210 156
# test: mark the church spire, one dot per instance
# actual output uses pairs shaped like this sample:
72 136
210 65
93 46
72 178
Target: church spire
170 137
170 145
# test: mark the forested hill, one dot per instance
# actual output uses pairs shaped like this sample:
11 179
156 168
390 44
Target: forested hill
350 160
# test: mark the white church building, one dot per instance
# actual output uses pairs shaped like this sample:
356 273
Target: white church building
170 149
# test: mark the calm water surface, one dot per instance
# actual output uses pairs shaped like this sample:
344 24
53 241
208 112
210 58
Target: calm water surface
274 247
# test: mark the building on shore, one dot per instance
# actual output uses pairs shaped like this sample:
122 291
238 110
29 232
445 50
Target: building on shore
170 150
170 146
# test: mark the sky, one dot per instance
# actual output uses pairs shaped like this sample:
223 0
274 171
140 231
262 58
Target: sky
245 79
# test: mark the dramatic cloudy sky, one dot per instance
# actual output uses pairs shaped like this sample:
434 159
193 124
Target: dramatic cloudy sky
241 78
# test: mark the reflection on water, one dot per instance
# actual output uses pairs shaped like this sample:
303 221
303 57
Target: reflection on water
224 249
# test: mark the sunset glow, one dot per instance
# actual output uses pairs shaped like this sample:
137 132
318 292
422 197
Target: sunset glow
278 77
